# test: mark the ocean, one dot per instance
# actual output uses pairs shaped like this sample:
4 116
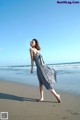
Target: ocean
68 76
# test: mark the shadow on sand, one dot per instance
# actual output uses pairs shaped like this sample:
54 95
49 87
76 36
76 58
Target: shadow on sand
22 99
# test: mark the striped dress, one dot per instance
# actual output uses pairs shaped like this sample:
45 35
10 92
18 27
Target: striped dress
46 75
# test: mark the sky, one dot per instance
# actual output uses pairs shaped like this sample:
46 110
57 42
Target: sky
56 26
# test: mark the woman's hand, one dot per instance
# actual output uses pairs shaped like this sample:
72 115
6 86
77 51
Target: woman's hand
31 71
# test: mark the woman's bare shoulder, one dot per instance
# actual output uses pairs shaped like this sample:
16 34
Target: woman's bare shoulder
31 49
34 50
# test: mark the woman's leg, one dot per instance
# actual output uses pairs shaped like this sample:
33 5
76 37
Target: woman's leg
56 95
41 93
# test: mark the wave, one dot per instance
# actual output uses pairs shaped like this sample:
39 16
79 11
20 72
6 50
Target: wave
63 68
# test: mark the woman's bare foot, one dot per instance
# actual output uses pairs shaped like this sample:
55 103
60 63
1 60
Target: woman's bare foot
40 100
59 99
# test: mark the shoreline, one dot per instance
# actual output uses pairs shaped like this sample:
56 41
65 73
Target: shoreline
37 85
19 100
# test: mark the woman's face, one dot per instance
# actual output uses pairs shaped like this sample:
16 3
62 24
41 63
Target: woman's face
32 43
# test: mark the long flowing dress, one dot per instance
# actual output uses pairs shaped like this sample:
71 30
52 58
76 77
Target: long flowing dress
46 75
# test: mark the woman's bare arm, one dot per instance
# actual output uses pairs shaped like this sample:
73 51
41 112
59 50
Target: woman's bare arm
32 59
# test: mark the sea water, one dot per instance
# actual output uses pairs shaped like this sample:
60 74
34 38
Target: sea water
68 76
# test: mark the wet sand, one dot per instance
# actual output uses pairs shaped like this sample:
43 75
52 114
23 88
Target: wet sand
19 101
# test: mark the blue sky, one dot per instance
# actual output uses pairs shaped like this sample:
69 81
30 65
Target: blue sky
56 26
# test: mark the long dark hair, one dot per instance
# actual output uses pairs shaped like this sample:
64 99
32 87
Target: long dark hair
37 44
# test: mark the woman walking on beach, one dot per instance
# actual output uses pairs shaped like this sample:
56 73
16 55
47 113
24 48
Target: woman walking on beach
46 75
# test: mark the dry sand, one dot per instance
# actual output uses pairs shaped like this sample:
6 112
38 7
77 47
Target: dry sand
20 102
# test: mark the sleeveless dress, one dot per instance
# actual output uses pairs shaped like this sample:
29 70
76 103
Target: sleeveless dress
46 75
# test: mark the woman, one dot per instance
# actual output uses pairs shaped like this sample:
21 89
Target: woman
46 75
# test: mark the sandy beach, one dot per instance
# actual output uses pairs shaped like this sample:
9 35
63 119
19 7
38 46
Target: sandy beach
19 101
